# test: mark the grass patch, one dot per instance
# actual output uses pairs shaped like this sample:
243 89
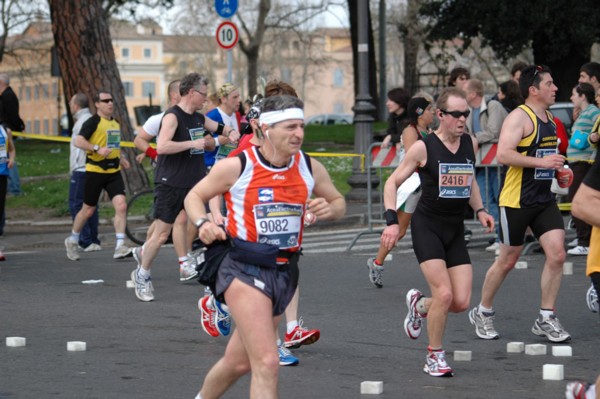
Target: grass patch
42 158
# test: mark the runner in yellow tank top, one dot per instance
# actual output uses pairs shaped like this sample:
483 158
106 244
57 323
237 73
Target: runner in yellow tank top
527 148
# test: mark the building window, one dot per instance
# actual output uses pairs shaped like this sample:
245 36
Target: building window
147 53
36 127
125 52
46 126
27 93
36 92
28 127
128 88
54 89
148 88
46 90
21 93
286 75
338 77
55 126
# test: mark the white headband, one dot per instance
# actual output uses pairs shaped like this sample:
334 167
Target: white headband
273 117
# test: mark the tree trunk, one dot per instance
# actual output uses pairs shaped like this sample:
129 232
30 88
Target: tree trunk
411 40
87 63
250 46
252 58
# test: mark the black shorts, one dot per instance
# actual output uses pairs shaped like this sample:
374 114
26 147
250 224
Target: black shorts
96 182
541 219
439 237
168 202
278 284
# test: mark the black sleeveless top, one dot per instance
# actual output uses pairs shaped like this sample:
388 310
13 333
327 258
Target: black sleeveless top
186 168
446 178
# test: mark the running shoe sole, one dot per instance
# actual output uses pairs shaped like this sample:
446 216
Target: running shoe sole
191 276
407 321
437 374
307 340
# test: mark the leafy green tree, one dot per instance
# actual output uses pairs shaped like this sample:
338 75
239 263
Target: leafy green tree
560 32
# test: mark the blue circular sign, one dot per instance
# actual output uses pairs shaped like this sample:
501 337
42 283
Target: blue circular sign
226 8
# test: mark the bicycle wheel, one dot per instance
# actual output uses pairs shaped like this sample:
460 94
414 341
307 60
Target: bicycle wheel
140 215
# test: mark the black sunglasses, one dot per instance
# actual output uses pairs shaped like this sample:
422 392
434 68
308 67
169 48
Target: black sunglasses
106 100
456 114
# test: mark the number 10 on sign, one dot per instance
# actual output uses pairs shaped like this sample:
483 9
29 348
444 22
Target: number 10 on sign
227 35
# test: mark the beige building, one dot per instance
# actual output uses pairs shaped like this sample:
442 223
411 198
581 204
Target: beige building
318 65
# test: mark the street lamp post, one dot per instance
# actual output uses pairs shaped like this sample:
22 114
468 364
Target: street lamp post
363 109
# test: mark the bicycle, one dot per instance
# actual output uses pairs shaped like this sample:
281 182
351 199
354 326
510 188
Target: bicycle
140 215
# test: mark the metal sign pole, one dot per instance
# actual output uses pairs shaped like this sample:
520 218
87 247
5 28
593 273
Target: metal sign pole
229 66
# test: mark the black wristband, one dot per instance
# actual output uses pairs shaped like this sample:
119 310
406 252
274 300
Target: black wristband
220 128
391 217
480 210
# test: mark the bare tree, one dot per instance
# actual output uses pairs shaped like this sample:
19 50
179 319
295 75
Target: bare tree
87 62
13 15
255 18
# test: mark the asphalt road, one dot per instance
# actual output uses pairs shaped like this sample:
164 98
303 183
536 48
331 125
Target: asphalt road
158 349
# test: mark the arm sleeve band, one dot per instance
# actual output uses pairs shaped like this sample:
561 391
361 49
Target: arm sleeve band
151 152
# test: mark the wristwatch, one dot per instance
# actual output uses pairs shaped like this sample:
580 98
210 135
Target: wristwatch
200 222
96 147
391 217
481 210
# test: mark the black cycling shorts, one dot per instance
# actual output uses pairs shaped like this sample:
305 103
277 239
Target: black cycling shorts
541 219
96 182
439 237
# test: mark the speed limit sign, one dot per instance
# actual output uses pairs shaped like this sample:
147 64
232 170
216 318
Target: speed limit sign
227 35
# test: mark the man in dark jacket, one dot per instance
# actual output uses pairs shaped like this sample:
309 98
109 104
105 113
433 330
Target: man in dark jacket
9 117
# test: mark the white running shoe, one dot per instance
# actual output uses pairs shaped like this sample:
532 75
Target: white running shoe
436 365
591 297
375 273
71 247
550 328
187 271
579 251
121 252
93 247
484 324
143 287
492 248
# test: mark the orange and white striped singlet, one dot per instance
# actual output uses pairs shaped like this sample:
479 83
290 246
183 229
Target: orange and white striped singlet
267 204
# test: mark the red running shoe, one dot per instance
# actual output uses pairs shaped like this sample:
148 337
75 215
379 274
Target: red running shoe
209 315
301 336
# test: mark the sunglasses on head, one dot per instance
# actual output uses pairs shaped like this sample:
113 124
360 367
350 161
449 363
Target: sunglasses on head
538 69
456 114
106 100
